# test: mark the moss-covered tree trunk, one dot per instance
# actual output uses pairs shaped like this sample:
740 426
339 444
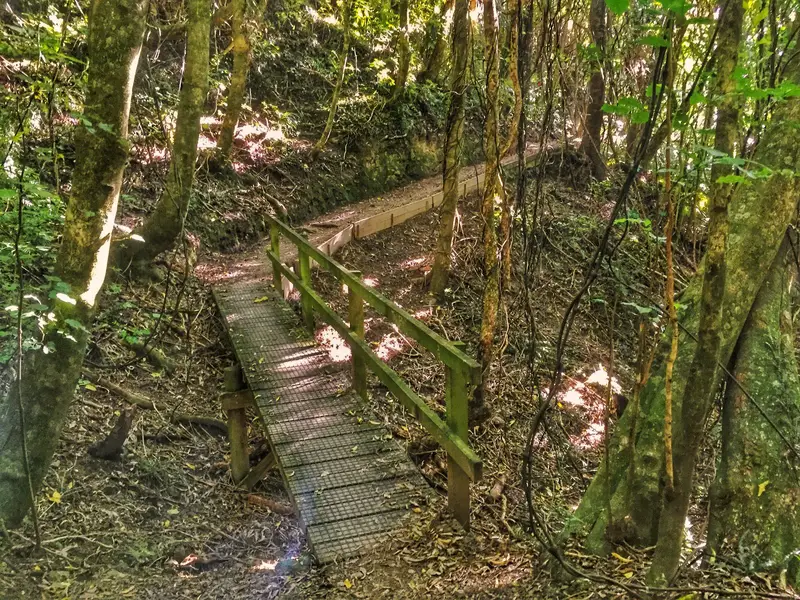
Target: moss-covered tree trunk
459 76
759 215
436 44
593 122
492 197
515 15
337 89
116 30
162 228
238 83
756 494
403 51
703 378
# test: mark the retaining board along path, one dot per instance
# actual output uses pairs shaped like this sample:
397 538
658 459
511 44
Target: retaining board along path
350 482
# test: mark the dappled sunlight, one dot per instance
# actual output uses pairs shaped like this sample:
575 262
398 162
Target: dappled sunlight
265 565
600 378
423 314
412 263
390 346
333 344
371 282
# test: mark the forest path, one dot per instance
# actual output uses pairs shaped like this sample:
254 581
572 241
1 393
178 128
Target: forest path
331 231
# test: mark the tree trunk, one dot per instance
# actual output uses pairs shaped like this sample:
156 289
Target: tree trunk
759 215
492 197
116 30
703 379
515 8
435 41
238 83
403 51
593 127
755 494
337 90
459 77
163 227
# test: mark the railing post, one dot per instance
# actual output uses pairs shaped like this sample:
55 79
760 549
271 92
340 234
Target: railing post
457 403
275 246
356 315
237 426
306 307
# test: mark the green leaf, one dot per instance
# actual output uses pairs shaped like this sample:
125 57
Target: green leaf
617 6
654 40
731 179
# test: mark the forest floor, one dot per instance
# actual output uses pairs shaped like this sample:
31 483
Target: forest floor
164 521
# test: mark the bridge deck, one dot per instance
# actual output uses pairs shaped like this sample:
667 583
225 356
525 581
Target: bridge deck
349 480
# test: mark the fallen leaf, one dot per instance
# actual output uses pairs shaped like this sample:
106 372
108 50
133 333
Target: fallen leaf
348 584
762 487
55 497
260 300
621 559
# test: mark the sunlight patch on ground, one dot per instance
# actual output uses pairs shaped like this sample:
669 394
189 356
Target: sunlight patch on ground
390 346
423 313
265 565
412 263
330 341
370 282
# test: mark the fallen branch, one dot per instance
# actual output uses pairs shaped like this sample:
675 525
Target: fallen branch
144 402
274 506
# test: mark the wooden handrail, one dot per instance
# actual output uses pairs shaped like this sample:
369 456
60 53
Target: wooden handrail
463 372
442 349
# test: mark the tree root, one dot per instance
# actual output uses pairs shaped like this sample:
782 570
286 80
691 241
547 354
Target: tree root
144 402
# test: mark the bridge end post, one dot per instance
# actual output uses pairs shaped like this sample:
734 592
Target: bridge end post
356 317
457 405
306 305
237 425
275 246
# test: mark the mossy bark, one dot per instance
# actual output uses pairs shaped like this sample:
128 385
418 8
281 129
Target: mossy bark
593 122
238 82
116 30
759 215
436 42
755 497
165 223
492 192
703 378
403 51
459 77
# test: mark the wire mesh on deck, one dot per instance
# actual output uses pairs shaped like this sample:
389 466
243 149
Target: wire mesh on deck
350 481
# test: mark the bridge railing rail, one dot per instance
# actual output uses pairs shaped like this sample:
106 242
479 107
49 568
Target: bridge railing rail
461 370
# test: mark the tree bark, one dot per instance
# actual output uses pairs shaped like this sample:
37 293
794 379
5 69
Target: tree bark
703 379
755 495
238 83
759 215
593 127
116 30
164 225
492 197
435 41
515 8
337 90
459 77
403 51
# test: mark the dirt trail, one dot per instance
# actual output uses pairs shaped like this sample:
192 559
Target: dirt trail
251 265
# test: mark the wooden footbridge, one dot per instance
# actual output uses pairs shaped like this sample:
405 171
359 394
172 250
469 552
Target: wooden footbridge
350 482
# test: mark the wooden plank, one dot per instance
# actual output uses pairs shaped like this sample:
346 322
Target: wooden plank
453 445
